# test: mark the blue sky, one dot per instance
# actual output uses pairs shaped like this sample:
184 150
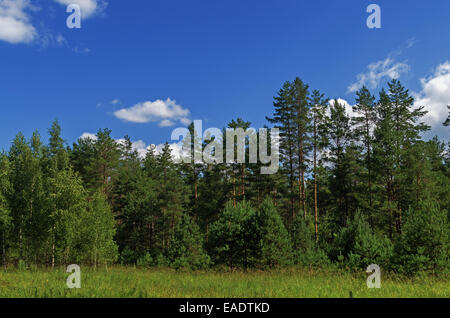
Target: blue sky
214 60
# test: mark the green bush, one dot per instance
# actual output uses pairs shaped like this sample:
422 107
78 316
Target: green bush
232 236
306 251
145 261
424 243
272 243
128 256
360 246
186 247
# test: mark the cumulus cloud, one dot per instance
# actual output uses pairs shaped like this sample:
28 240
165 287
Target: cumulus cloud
377 71
15 25
435 96
165 112
348 108
88 8
166 123
87 135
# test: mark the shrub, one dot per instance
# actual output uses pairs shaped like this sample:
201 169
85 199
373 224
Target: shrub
305 249
424 243
360 246
145 261
128 256
232 235
272 243
186 247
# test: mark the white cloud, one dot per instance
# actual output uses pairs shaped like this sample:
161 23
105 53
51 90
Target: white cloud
15 25
185 121
377 71
164 112
87 135
348 108
89 8
435 96
176 149
115 101
166 123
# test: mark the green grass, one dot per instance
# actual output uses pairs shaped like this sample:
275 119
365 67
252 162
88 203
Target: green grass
155 283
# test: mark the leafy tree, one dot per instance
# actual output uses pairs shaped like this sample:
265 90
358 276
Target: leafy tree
67 208
99 230
27 198
5 192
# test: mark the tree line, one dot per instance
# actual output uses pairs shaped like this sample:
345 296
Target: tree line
350 190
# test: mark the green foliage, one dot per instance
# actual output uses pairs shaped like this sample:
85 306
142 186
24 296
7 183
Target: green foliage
186 247
360 247
145 261
67 207
84 204
230 236
100 228
424 243
306 250
272 245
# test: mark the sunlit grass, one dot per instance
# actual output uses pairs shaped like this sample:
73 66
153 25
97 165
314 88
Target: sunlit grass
164 283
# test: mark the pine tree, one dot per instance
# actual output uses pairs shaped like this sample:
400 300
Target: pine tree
396 131
273 245
238 171
192 170
319 142
305 249
139 231
186 247
102 162
424 243
284 119
364 123
357 244
340 135
303 126
231 236
171 195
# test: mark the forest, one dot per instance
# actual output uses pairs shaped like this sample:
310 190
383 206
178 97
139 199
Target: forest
350 191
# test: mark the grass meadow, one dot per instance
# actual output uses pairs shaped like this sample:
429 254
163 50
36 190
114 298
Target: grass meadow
129 282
